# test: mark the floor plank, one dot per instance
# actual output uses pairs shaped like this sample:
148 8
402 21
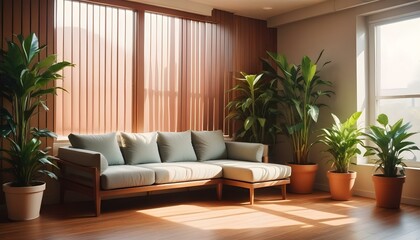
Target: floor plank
198 215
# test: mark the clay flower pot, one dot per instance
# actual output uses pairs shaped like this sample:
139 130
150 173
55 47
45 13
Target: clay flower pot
23 203
302 178
388 190
341 184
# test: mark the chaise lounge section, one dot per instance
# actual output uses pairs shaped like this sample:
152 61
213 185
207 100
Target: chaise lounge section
100 166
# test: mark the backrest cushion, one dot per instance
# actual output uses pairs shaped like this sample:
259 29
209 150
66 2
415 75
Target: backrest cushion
140 148
106 144
245 151
209 145
176 147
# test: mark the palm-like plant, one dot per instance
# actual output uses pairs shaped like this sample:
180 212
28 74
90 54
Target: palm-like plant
25 81
255 107
300 88
342 140
390 142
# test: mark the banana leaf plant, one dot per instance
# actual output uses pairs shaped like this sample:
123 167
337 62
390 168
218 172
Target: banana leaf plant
389 142
25 81
300 91
255 107
342 140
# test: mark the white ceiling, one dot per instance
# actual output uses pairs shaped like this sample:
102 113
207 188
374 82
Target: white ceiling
260 9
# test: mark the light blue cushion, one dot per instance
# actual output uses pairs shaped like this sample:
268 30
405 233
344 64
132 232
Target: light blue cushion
209 145
106 144
139 148
244 151
176 147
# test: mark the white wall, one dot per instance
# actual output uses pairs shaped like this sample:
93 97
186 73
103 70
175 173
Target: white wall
341 34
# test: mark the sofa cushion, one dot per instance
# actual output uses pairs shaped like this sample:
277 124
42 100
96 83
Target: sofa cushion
252 171
140 148
123 176
209 145
183 171
252 152
176 147
106 144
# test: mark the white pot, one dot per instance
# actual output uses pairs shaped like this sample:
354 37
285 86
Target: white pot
23 203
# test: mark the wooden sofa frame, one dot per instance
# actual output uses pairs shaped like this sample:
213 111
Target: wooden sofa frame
98 194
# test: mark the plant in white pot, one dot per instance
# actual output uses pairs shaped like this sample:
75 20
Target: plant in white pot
25 81
389 144
300 91
342 140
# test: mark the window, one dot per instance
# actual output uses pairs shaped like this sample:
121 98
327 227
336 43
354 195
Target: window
395 88
99 40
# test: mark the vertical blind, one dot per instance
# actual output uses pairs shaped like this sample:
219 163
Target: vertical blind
180 89
142 71
99 40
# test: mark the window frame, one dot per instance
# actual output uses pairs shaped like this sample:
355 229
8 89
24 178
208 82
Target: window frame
374 95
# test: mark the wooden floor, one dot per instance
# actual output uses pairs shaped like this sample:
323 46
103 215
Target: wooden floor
198 215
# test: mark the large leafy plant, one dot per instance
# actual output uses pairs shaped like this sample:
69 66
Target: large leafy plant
390 141
342 140
255 107
300 89
25 82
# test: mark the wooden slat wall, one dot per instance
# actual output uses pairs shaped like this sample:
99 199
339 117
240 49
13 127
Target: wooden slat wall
24 17
244 41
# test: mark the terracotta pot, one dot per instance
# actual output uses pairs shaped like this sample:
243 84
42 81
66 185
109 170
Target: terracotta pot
302 178
23 203
388 190
341 184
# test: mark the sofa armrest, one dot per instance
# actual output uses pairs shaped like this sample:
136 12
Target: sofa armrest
83 157
252 152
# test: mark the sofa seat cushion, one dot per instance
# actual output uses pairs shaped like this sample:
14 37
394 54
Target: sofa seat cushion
183 171
123 176
252 171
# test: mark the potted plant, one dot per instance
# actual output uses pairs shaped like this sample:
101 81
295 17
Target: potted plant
342 140
25 81
255 106
300 89
389 143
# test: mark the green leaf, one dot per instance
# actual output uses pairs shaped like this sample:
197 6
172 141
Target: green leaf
313 111
262 121
382 119
249 121
308 69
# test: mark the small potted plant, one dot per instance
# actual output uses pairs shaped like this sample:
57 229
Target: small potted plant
25 81
389 143
300 91
342 140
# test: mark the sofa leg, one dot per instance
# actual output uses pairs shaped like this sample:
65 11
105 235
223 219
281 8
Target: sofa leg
251 196
97 207
219 191
283 191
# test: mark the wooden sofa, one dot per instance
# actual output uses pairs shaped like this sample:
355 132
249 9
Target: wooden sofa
87 171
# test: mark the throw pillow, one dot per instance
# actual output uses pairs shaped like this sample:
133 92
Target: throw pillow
140 148
209 145
176 147
104 143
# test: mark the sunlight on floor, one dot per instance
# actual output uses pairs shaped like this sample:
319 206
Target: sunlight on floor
257 216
